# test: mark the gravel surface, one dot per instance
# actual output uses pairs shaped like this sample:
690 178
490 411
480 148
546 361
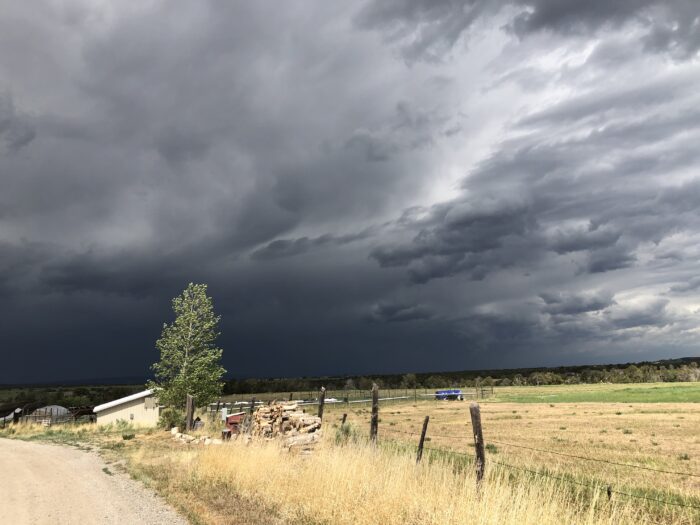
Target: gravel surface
60 485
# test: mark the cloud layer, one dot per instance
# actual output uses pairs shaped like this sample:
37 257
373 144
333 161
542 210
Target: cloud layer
394 186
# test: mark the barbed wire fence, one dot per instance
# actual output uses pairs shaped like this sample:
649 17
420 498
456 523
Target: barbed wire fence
477 458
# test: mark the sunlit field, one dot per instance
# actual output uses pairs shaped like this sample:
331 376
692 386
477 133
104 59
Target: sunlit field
608 393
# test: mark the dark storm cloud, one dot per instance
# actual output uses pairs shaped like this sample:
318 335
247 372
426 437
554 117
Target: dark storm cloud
518 187
290 247
16 129
463 236
399 313
429 29
572 304
692 285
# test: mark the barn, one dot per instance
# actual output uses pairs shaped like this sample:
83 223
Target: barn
139 409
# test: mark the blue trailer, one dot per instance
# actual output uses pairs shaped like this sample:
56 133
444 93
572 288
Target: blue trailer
450 393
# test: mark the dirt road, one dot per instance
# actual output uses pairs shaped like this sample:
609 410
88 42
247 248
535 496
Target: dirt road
61 485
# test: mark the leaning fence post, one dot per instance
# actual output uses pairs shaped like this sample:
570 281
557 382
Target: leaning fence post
321 401
475 413
422 439
374 421
189 412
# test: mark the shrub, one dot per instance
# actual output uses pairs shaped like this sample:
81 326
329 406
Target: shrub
172 417
346 434
123 424
127 437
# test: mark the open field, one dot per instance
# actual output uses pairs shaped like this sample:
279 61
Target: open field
602 393
545 463
661 437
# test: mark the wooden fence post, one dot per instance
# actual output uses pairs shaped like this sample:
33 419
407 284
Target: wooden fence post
475 413
291 395
374 421
415 396
189 412
252 406
342 421
422 439
321 401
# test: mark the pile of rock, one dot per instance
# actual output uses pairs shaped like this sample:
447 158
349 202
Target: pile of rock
194 440
288 421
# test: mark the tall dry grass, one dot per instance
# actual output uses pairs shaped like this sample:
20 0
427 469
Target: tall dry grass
362 485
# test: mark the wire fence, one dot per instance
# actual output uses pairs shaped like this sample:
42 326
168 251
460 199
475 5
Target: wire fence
400 436
603 486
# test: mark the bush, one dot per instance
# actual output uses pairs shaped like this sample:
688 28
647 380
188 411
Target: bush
172 417
346 434
123 424
127 437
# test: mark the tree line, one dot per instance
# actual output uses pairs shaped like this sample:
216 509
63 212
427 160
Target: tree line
676 370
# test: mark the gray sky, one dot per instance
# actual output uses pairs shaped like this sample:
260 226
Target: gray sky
377 186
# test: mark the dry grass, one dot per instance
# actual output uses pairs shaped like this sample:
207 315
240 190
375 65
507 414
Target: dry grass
359 484
659 436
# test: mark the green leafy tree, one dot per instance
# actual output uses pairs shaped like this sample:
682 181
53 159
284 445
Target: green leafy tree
409 381
189 358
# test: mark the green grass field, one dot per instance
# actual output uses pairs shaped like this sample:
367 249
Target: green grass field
601 393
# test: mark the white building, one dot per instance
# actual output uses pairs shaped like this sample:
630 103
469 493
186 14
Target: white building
139 409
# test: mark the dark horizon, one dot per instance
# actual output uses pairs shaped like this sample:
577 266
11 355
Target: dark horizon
376 186
135 380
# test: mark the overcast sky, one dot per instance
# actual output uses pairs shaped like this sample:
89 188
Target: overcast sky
366 187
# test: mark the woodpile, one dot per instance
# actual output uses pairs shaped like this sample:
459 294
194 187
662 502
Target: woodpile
284 420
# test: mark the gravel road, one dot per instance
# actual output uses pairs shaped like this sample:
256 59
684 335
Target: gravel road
59 485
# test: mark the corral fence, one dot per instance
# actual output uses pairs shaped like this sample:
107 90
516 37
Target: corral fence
50 415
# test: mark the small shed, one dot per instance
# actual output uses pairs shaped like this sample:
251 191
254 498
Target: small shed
139 409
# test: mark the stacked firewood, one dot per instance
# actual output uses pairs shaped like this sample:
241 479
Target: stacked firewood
284 420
